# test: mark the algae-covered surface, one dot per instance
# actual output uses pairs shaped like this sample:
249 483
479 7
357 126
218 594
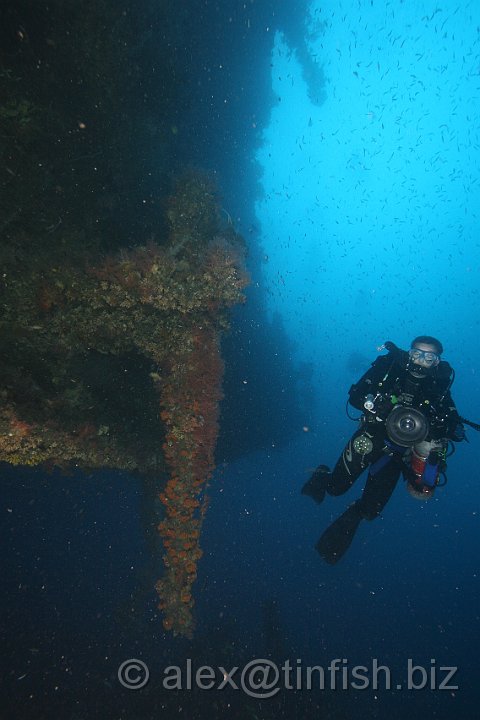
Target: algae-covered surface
117 272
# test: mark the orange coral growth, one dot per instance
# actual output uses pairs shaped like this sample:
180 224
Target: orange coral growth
190 401
164 304
18 427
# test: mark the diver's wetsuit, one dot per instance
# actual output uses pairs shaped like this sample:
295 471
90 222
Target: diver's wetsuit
391 380
379 486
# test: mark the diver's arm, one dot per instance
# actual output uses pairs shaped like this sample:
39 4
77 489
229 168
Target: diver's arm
368 383
447 422
454 425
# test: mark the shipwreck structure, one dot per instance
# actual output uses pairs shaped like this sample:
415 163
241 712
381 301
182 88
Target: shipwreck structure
114 361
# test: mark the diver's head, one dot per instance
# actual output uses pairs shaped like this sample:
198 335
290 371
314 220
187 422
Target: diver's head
424 355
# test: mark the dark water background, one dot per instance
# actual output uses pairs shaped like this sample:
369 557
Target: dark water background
78 565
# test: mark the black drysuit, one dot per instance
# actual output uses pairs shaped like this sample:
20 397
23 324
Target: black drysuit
389 379
393 385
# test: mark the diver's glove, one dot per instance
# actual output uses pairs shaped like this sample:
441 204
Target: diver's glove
395 353
390 346
458 433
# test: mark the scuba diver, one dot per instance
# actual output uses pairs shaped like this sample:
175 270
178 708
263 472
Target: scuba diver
408 418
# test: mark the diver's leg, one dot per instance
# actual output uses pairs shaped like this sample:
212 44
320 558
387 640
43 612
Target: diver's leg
352 463
349 466
378 490
338 537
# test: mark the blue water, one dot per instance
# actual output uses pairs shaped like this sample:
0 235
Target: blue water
366 218
369 227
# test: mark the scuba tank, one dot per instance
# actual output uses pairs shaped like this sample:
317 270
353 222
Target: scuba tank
427 461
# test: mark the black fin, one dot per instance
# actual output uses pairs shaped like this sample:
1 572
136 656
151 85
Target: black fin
337 538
